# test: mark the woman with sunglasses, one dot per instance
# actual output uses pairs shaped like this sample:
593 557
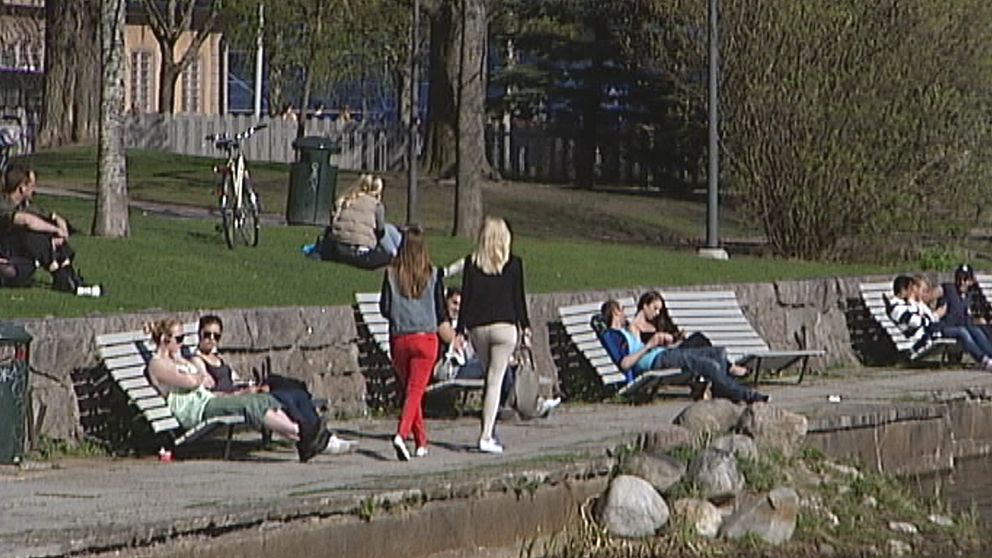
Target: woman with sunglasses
297 402
187 392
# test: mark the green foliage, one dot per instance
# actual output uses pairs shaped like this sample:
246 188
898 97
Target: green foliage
846 122
768 470
50 449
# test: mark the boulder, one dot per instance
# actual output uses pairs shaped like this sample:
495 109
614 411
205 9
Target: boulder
632 508
771 517
743 447
713 416
773 428
661 471
664 439
715 473
703 516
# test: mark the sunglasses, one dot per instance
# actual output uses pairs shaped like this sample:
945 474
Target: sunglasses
179 338
215 335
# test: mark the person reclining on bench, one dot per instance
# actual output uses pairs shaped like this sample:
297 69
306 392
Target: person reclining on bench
297 401
187 392
911 312
635 357
652 317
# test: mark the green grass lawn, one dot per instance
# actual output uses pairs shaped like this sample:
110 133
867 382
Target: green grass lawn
174 264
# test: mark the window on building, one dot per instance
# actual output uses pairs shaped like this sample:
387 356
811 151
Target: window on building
140 82
191 87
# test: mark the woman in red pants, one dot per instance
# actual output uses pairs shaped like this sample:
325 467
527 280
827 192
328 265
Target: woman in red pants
412 299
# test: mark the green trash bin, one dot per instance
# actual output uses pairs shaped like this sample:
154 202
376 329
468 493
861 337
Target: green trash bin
15 396
312 182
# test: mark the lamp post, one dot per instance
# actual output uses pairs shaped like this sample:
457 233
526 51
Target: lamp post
259 59
411 184
712 248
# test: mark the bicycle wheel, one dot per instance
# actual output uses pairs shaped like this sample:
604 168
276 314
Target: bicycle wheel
249 222
227 212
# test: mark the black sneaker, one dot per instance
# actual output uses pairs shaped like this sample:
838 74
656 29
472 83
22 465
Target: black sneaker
306 447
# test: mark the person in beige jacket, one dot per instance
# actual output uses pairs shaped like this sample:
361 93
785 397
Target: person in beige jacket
359 234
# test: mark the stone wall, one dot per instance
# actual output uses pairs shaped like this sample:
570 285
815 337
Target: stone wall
323 346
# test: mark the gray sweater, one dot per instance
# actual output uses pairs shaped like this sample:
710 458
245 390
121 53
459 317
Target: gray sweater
412 315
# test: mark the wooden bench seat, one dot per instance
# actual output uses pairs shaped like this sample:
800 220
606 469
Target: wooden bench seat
873 295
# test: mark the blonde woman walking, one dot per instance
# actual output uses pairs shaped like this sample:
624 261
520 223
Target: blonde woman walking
494 312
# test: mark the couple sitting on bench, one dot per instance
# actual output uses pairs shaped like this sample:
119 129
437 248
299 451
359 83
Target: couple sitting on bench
639 346
205 386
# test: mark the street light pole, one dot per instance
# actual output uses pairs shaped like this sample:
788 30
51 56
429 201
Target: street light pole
712 248
259 59
412 159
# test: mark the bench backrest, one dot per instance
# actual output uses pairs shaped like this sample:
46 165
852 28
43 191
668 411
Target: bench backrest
577 320
125 355
874 296
378 325
718 315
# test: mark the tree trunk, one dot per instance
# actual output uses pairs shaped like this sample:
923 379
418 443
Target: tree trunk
312 40
72 78
439 147
168 77
470 139
111 218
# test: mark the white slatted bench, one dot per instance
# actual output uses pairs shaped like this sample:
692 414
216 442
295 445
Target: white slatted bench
378 326
718 316
577 321
125 356
873 295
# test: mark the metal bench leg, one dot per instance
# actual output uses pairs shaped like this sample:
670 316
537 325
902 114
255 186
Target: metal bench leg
802 371
227 444
757 370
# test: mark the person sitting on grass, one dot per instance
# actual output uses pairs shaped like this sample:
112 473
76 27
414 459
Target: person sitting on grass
359 234
30 238
635 357
296 400
187 392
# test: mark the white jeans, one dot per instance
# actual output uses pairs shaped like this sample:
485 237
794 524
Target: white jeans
494 344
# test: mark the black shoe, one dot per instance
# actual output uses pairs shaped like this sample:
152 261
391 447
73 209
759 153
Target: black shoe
305 448
758 398
65 279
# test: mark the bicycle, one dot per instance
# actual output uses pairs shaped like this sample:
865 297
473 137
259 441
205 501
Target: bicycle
238 201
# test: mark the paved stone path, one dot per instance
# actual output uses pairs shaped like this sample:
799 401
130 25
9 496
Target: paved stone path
79 502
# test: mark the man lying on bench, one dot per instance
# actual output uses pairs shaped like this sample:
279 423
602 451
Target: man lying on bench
635 357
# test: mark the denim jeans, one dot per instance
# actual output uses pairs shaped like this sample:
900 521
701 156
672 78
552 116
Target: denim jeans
710 363
297 404
972 339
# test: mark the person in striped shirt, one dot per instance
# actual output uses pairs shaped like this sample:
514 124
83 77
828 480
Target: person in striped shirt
971 338
914 319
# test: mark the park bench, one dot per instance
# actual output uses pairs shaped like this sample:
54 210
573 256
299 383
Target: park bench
378 328
718 316
875 298
125 356
578 323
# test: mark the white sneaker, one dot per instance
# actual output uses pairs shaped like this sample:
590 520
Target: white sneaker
338 446
402 453
547 405
94 291
421 451
488 445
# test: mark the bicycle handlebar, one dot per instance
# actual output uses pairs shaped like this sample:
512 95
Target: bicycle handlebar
223 140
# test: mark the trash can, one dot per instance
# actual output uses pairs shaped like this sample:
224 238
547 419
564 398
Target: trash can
14 394
312 182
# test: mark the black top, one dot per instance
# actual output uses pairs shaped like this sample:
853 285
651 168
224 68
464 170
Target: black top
223 382
491 299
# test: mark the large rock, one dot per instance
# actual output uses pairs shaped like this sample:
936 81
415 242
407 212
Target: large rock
743 447
667 437
771 517
715 473
703 516
773 428
632 508
714 416
661 471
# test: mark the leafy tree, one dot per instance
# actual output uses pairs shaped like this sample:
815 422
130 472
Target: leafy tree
850 128
169 20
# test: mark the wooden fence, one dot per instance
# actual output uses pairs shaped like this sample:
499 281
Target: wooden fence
370 148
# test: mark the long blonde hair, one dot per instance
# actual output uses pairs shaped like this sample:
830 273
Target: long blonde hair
161 329
366 185
492 249
412 265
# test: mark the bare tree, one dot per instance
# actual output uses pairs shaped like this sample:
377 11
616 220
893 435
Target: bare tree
111 218
72 78
169 19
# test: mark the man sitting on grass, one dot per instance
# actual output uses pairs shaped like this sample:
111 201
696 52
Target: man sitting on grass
30 238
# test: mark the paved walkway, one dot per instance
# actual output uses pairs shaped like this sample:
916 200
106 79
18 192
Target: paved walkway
78 503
